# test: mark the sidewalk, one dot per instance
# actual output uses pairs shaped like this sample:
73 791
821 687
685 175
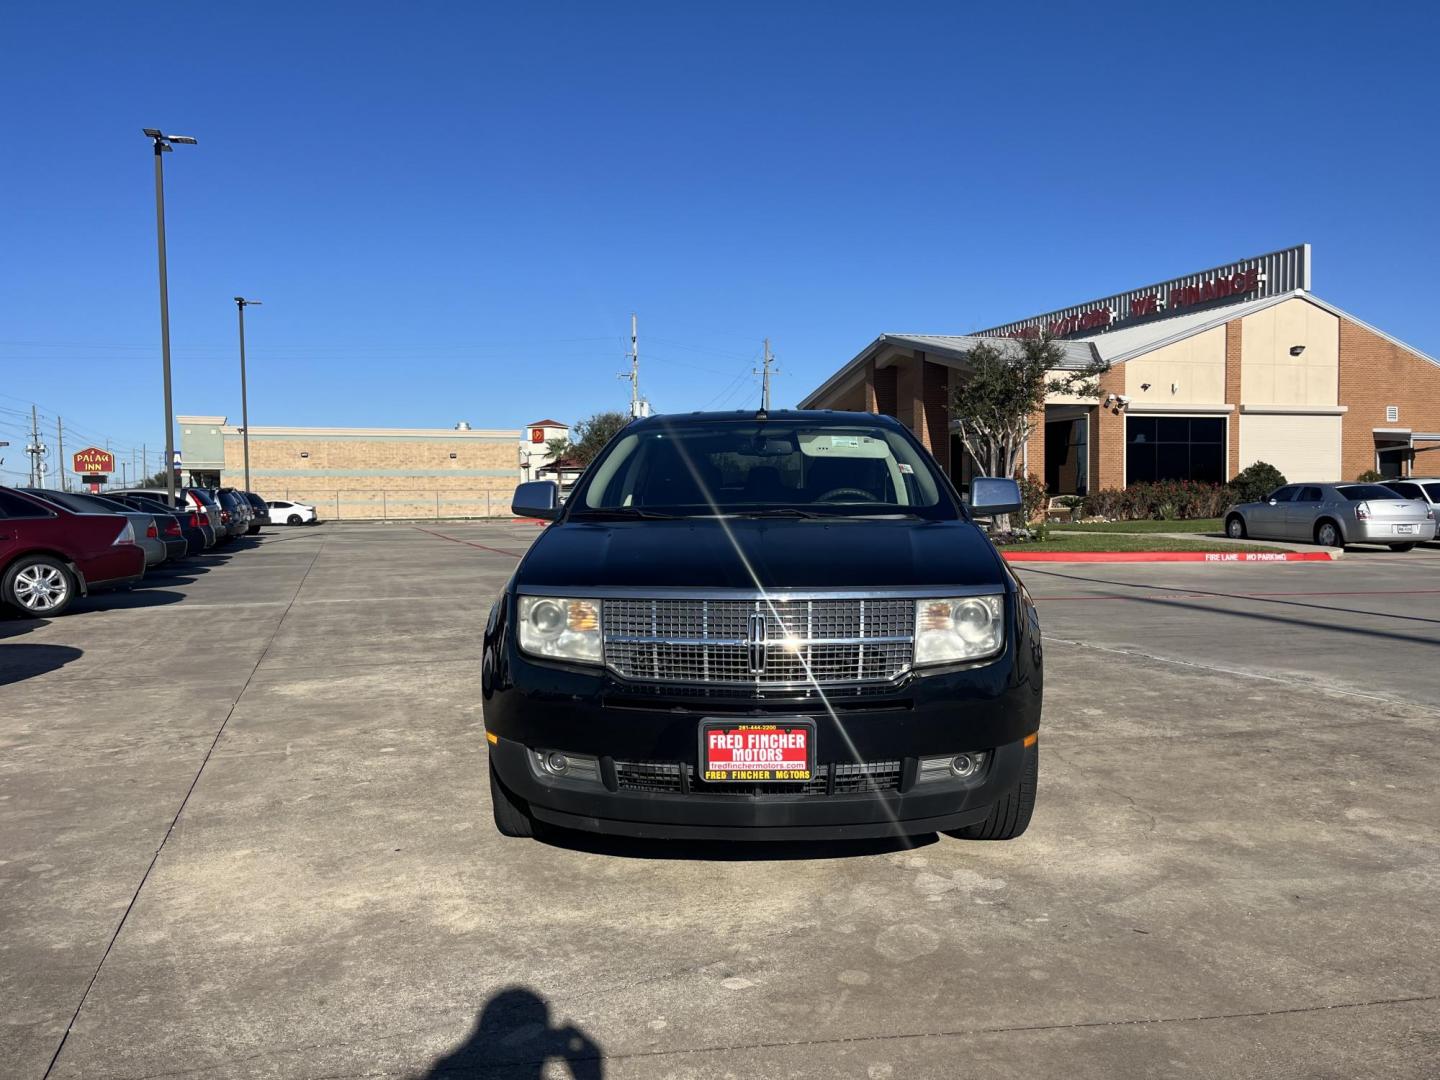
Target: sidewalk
1217 538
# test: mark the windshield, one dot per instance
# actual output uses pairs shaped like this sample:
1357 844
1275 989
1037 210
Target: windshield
780 467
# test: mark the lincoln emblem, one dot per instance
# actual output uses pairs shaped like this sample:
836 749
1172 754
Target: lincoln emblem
756 640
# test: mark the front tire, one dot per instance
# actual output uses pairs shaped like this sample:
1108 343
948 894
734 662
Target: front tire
39 586
294 519
1327 534
511 816
1235 527
1010 816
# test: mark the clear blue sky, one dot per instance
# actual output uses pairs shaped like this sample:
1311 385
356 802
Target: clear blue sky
450 210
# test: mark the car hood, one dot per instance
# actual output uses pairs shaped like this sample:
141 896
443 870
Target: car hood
745 553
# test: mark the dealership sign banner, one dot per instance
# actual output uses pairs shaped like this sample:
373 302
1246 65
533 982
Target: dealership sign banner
94 461
1247 279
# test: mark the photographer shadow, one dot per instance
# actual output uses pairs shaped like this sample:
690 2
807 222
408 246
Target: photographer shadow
513 1039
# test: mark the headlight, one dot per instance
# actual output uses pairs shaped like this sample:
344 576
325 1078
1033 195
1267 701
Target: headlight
965 628
563 629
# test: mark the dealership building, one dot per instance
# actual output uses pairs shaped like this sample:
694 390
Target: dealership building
370 473
1208 373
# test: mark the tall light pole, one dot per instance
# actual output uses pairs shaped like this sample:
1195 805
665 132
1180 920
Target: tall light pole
162 146
241 304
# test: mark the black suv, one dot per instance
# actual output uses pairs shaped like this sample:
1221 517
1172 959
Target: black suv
774 626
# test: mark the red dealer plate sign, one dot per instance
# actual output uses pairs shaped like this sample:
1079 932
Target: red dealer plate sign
782 750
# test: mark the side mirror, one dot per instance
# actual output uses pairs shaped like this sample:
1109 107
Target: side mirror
992 495
1274 503
536 499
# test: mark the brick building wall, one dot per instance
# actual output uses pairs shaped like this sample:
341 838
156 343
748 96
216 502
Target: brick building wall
1233 340
1375 373
935 412
1107 437
383 476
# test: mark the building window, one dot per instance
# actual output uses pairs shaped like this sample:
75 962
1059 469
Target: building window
1174 448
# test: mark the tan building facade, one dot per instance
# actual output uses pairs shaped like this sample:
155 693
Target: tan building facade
1208 374
369 473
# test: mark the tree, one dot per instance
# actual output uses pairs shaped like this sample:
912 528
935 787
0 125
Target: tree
995 403
593 433
558 447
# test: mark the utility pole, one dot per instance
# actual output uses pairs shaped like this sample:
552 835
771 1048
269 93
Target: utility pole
36 450
163 146
144 463
637 406
765 373
241 304
60 450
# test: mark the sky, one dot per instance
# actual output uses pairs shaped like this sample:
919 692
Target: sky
450 210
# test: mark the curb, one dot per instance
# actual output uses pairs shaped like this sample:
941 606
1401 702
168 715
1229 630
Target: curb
1171 556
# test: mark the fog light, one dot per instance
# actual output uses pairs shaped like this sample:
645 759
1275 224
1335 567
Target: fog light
952 767
964 766
571 767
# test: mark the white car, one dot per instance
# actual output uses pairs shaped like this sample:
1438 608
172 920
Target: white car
1419 488
292 513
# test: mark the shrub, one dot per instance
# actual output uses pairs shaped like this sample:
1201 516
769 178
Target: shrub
1034 496
1369 476
1166 500
1254 483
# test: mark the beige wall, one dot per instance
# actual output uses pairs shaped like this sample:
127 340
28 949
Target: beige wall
1195 367
1269 375
381 477
1066 399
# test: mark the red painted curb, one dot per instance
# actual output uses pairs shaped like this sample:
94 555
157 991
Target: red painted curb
1169 556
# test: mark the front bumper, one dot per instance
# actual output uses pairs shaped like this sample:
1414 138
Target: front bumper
993 706
594 807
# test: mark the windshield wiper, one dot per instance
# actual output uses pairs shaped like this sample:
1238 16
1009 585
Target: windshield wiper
627 512
784 511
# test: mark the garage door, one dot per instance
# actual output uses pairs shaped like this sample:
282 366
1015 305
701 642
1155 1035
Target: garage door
1302 447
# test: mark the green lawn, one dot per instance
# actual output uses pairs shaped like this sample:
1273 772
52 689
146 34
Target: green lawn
1123 542
1194 525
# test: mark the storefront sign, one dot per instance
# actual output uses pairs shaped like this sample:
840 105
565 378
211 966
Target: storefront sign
1265 275
93 460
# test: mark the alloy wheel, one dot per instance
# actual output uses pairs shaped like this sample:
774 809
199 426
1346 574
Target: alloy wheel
1328 537
41 587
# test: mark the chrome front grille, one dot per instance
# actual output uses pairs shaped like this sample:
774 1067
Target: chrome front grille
764 643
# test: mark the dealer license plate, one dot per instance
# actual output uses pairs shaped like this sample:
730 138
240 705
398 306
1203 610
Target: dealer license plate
1404 530
773 751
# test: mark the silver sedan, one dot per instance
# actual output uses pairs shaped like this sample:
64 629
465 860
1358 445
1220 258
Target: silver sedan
1334 515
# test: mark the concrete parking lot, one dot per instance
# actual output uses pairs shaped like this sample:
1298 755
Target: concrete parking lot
244 831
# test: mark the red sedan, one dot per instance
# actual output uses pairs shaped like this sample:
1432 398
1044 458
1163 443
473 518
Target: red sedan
49 556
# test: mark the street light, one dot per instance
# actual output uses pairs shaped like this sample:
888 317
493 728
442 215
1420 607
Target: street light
162 146
241 304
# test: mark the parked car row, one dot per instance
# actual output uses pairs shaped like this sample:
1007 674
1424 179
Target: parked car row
1396 513
58 545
